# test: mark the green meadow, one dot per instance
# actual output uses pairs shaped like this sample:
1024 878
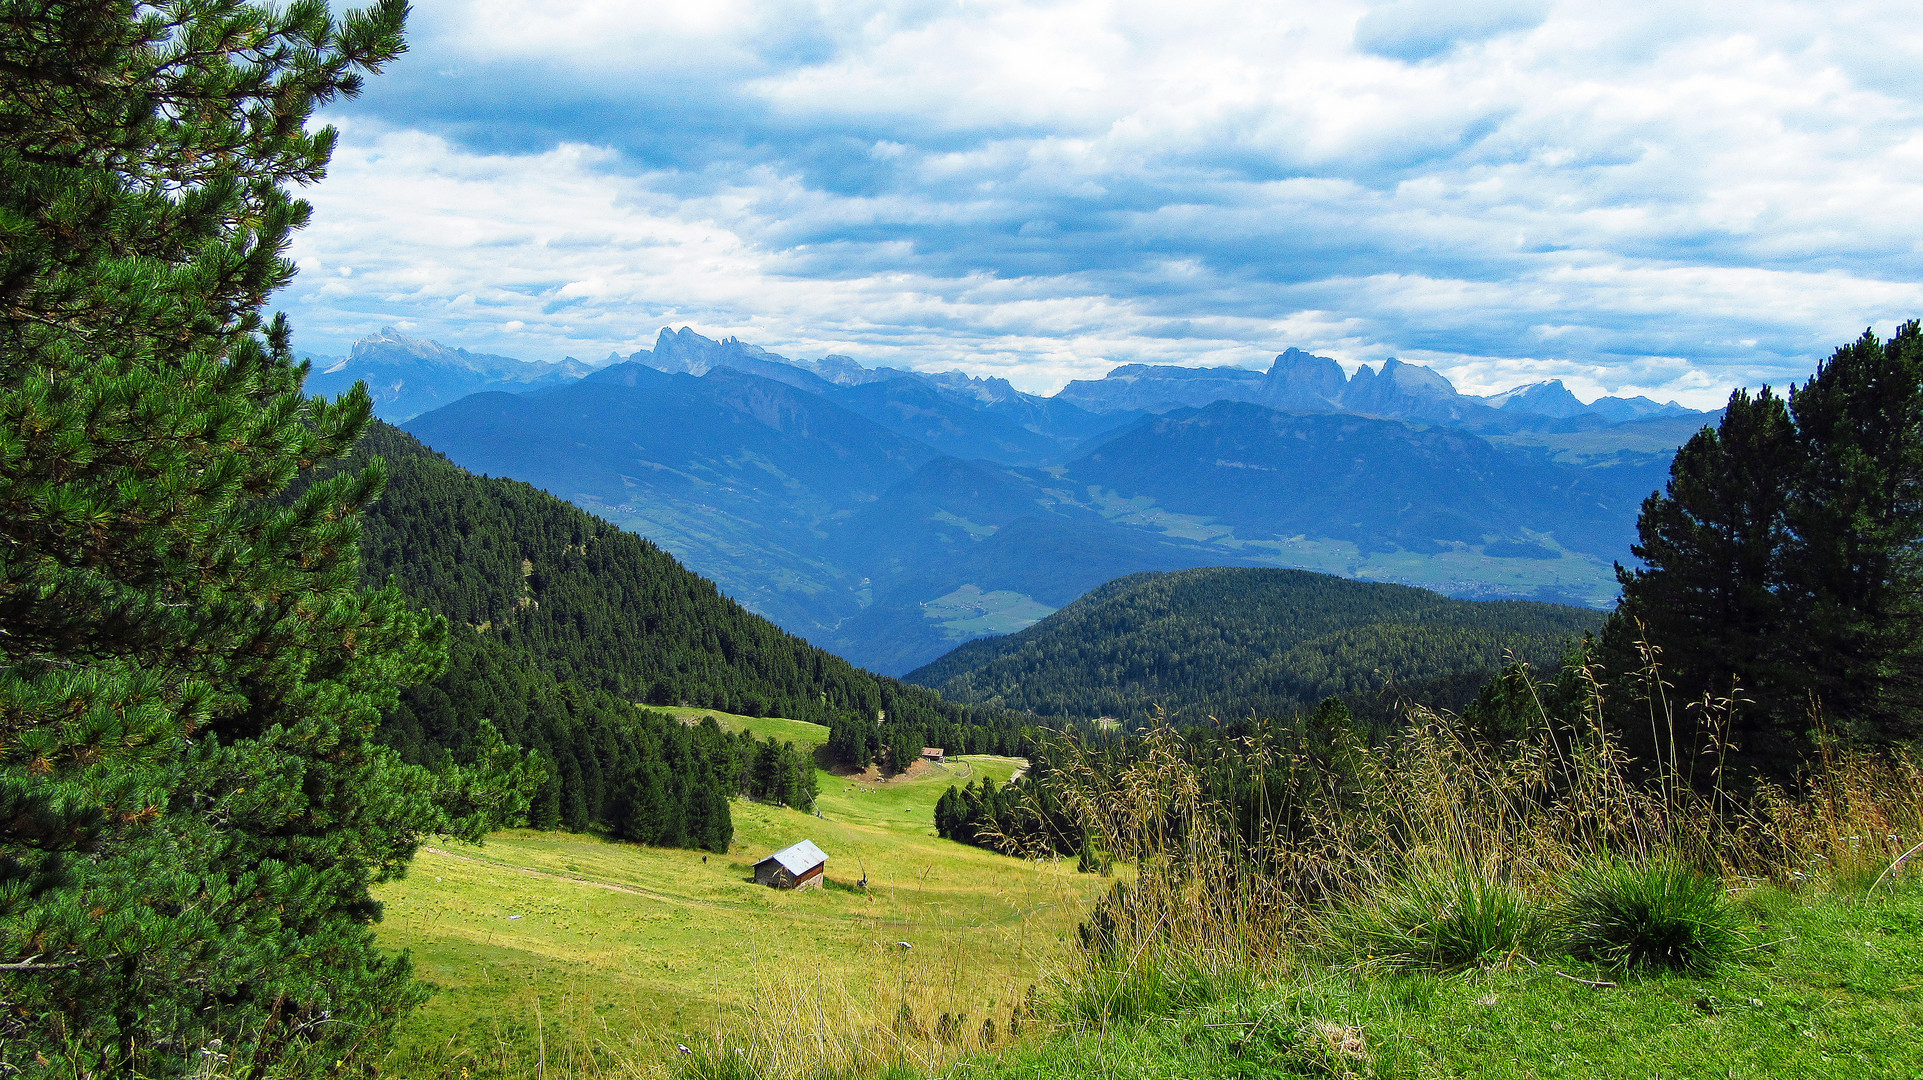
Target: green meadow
600 957
799 732
1828 988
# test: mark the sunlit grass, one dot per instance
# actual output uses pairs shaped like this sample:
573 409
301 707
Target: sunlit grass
605 956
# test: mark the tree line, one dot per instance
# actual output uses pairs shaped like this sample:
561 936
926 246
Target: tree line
1020 817
543 584
1232 642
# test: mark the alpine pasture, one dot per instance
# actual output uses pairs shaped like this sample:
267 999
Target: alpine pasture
567 952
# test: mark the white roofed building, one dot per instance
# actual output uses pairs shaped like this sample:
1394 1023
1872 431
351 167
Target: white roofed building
799 866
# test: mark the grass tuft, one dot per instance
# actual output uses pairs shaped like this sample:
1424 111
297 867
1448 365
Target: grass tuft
1439 920
1660 916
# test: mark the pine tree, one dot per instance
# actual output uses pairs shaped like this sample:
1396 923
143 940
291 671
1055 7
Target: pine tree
1709 595
1785 561
192 808
1854 567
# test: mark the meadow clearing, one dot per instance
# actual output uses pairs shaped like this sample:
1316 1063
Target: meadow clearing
600 958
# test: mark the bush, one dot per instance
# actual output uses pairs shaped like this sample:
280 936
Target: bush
1440 920
1649 917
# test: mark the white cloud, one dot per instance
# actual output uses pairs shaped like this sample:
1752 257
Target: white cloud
1669 198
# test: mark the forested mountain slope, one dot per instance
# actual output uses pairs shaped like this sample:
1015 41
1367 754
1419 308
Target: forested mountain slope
562 624
1228 641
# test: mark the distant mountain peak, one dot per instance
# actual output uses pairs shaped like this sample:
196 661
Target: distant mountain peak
1299 381
1546 398
1551 398
409 375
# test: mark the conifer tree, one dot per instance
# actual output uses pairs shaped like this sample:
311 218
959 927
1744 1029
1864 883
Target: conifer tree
1709 593
192 808
1853 568
1785 560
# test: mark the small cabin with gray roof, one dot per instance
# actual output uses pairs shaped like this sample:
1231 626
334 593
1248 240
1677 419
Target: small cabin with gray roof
801 866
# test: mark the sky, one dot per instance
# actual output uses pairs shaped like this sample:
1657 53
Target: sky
1668 198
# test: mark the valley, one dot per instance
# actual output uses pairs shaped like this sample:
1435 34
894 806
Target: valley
864 509
704 713
609 954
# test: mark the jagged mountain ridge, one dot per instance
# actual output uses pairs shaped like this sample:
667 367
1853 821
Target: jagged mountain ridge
861 536
889 515
408 376
1300 382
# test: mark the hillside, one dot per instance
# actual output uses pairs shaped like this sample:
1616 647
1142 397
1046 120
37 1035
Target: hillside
622 952
890 519
1228 641
561 624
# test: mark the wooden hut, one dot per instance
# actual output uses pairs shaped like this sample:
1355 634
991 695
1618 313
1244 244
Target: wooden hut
932 753
799 866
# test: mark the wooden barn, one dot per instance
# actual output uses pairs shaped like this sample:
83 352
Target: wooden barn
933 753
800 866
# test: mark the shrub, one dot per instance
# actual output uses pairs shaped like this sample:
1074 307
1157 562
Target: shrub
1656 916
1440 920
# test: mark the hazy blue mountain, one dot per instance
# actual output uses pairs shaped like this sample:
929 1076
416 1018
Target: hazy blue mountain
1550 398
408 376
1230 641
1296 381
1621 410
891 515
918 409
734 473
1378 484
1300 382
1553 399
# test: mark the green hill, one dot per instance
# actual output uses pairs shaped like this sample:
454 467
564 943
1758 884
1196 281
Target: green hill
561 624
1228 641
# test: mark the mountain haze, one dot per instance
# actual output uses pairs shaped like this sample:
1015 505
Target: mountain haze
408 376
1300 382
890 515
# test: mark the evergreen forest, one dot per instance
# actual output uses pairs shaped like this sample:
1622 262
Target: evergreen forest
561 625
1231 642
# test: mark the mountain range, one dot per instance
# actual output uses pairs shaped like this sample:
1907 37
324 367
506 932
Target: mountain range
1299 382
890 515
408 376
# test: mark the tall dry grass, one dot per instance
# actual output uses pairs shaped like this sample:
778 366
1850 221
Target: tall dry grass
915 1015
1433 817
1436 812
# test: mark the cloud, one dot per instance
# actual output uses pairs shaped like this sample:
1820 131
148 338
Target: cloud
1674 198
1416 30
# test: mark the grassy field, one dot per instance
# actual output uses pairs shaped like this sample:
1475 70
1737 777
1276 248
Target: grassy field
799 732
1831 989
599 956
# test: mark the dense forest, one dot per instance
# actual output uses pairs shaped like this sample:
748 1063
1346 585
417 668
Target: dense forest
1230 642
561 624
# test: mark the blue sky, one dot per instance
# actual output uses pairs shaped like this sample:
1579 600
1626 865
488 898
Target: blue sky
1669 198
